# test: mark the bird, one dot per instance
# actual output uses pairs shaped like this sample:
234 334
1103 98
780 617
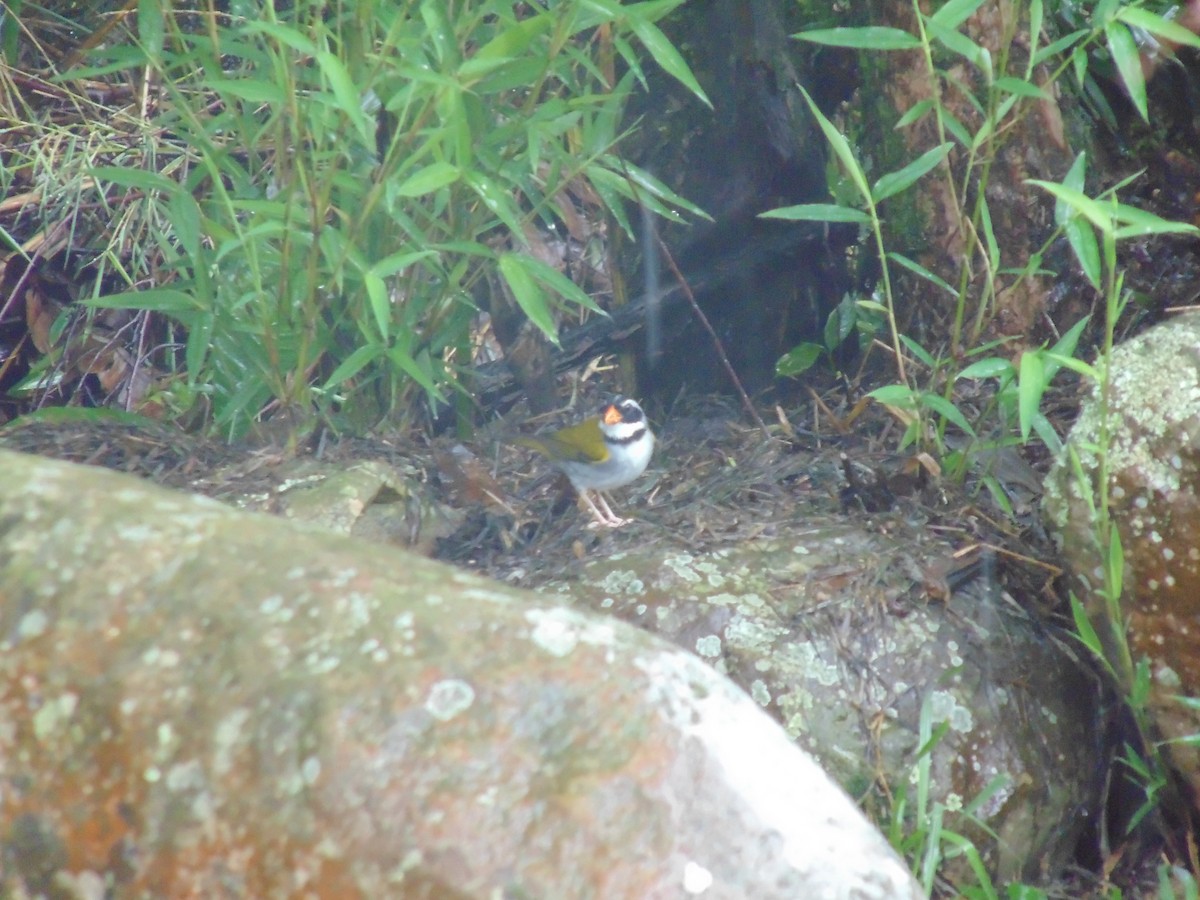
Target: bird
602 452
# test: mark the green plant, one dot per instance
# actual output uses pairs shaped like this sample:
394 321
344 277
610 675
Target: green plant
851 317
318 198
1001 92
918 826
997 96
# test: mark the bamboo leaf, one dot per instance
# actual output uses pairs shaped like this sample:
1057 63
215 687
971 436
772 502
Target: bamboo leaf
667 57
528 295
871 37
841 148
1157 25
954 12
894 182
818 212
429 179
1128 61
1031 384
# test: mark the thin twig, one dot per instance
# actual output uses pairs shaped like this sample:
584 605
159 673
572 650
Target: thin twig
703 319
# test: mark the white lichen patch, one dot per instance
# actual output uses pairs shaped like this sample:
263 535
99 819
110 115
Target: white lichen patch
811 665
952 649
342 577
53 716
228 734
683 565
760 692
622 581
449 698
136 533
184 776
709 646
161 657
310 770
559 631
485 595
944 707
269 606
752 635
33 624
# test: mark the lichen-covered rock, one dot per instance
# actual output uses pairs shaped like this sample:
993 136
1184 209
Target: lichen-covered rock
199 702
834 631
1153 457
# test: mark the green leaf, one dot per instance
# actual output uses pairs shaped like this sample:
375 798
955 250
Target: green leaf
413 369
1114 564
1083 242
1046 433
556 281
347 95
924 356
528 295
798 360
667 57
185 221
134 178
894 182
898 395
1063 43
166 300
1084 629
1139 222
246 89
954 12
429 179
989 233
992 367
150 26
289 37
1076 180
516 38
919 270
1157 25
841 149
956 128
360 358
498 201
872 37
915 113
381 305
1021 88
1128 60
1036 14
657 188
818 212
1064 347
1096 212
199 343
440 32
959 43
1031 384
1076 365
948 411
396 262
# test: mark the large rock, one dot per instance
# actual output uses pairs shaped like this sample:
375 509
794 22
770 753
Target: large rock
849 636
1153 460
200 702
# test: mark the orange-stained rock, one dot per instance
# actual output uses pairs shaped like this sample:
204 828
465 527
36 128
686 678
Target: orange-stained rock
1154 499
197 702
